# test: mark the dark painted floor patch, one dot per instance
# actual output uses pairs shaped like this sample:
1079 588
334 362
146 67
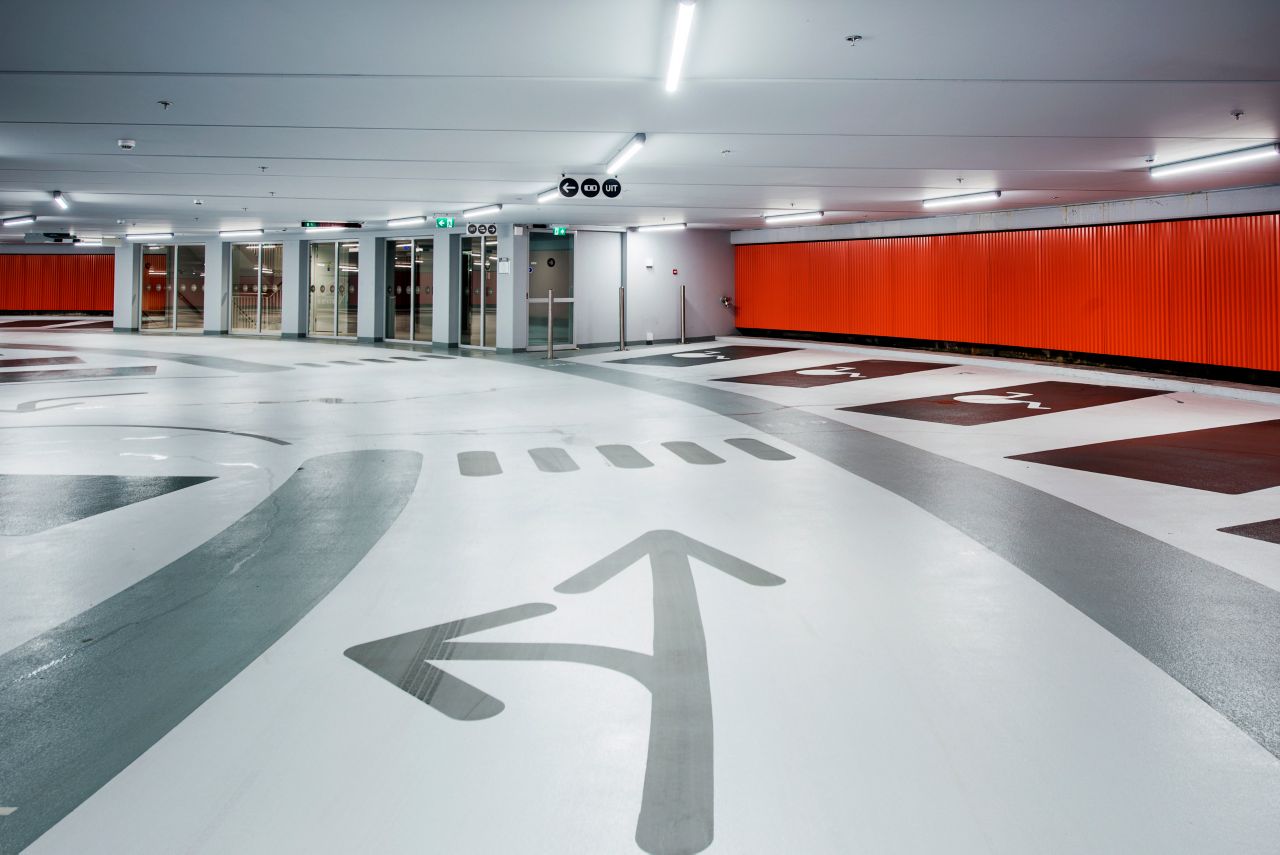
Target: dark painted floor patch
374 359
1006 403
343 362
30 504
1235 459
624 456
1268 530
41 360
758 449
703 356
553 460
313 364
116 678
31 323
75 373
478 464
691 452
409 358
218 362
836 372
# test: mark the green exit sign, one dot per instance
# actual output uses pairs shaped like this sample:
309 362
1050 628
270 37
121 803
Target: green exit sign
444 222
560 230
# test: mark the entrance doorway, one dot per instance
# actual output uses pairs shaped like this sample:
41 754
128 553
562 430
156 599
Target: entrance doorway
551 270
479 292
410 297
257 276
333 291
173 288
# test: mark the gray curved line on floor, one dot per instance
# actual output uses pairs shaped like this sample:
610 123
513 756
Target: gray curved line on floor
82 701
152 427
1214 631
218 362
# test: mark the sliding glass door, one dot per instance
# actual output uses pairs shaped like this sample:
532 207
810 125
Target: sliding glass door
256 282
410 281
334 289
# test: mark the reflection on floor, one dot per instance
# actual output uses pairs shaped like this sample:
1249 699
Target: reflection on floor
252 601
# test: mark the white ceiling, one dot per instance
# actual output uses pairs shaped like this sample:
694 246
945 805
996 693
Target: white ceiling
388 109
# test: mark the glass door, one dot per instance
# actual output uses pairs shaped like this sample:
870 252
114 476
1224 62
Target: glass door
410 280
173 288
256 280
479 303
333 290
551 263
157 289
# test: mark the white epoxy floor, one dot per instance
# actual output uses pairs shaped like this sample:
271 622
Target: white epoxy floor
906 690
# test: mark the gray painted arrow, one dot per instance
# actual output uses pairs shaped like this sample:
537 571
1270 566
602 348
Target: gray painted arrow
677 810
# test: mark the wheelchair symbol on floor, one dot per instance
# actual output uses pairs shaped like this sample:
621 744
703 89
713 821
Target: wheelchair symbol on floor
676 810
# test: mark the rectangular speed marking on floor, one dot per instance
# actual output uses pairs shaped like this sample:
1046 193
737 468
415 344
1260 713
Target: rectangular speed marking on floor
985 406
836 372
759 450
691 452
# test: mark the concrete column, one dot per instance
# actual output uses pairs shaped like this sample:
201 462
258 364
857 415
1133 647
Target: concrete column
447 287
294 300
127 303
513 288
217 287
371 319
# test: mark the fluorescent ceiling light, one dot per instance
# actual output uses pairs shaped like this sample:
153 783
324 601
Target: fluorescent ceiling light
965 199
314 229
150 236
60 200
18 221
1228 158
679 43
549 195
406 221
771 219
629 151
481 212
89 242
665 227
241 233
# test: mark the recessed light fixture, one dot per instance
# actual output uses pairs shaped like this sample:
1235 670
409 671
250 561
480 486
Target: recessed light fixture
150 236
965 199
404 222
664 227
18 221
549 195
628 151
1212 161
481 212
773 219
680 43
60 200
240 233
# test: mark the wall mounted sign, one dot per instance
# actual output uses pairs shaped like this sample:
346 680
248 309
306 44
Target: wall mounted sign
568 187
611 187
444 222
590 188
559 230
329 224
481 229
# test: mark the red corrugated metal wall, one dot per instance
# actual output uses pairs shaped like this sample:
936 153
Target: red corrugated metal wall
57 283
1205 291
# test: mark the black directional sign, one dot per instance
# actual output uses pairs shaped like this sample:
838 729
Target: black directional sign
568 187
590 187
612 187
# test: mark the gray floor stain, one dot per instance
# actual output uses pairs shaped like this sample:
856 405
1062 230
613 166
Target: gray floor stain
553 460
374 359
677 808
478 464
219 362
758 449
624 456
30 504
75 373
75 712
691 452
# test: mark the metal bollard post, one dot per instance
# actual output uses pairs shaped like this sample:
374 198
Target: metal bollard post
551 310
622 319
682 315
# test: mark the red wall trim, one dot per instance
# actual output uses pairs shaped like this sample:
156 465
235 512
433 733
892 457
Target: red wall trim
57 283
1204 291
